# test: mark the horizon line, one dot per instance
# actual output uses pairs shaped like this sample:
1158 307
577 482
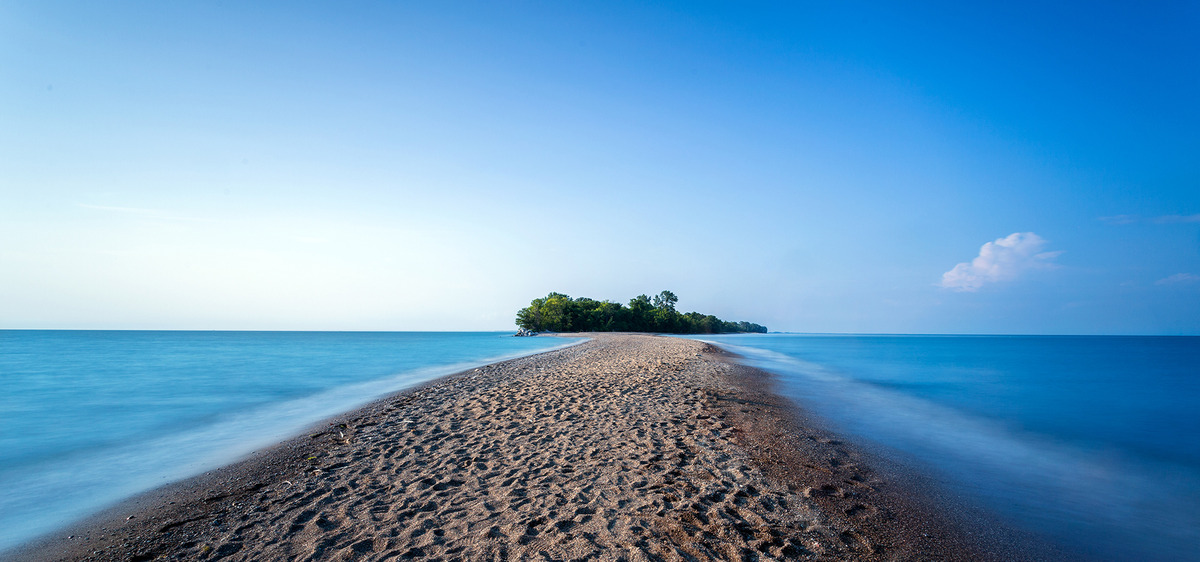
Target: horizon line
775 332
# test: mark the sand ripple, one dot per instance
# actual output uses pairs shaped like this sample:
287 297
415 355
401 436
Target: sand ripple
625 447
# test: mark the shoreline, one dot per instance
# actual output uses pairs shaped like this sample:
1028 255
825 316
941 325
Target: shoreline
624 445
785 439
288 455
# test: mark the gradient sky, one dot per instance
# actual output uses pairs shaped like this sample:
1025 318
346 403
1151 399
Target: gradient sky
816 167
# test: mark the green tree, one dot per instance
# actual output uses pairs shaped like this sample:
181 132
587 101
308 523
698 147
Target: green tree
641 314
665 301
560 313
530 317
556 313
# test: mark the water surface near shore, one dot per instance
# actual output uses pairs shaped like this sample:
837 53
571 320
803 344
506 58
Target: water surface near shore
93 417
1093 441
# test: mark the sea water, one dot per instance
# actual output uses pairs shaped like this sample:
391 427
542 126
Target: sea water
1092 441
88 418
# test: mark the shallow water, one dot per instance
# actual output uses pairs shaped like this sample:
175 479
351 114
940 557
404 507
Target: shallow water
93 417
1091 441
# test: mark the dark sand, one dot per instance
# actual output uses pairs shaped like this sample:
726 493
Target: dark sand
626 447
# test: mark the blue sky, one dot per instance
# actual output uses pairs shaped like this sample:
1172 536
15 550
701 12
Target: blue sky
818 167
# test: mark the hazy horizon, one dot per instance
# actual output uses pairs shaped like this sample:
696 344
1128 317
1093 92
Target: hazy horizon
856 168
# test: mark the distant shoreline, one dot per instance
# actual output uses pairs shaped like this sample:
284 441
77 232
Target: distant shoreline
662 437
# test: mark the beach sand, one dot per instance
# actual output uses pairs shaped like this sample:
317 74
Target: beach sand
625 447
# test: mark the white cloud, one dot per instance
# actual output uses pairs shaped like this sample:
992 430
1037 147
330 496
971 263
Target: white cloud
1177 219
1001 260
1178 279
1120 220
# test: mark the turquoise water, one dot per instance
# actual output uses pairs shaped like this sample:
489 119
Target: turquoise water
93 417
1092 441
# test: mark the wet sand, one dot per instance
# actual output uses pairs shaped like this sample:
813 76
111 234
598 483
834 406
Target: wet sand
625 447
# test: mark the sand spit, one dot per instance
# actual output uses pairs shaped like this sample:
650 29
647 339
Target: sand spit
626 447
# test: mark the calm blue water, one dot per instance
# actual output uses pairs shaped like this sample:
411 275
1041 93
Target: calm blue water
1092 441
92 417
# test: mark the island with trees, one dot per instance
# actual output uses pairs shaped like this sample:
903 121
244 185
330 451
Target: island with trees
557 312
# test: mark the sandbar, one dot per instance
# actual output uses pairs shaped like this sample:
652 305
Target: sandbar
625 447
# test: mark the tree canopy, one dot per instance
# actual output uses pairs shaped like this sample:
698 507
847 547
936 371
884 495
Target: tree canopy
557 312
